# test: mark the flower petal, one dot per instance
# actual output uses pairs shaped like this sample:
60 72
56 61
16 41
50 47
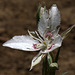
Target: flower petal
21 42
55 32
43 23
64 34
54 15
57 43
37 59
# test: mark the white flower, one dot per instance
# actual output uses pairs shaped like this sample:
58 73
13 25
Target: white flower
46 39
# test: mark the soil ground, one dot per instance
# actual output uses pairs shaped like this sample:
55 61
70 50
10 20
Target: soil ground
16 17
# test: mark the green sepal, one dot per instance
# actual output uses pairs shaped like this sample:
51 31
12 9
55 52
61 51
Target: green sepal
65 33
44 8
49 59
38 14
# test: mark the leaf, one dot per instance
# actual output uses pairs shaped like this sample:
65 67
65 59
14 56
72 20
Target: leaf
65 33
21 42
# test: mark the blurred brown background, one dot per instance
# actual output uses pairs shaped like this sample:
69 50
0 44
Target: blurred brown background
16 17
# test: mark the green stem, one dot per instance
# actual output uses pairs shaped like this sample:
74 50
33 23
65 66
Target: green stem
52 56
52 72
46 69
57 55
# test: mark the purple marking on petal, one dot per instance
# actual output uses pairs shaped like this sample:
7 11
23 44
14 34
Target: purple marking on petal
49 34
34 46
50 47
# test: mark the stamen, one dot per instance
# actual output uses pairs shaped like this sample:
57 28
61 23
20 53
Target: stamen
38 36
50 47
34 36
49 34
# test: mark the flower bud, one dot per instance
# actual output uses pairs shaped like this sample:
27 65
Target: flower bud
54 66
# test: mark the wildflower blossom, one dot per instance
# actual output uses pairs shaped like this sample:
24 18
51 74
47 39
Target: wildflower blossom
46 39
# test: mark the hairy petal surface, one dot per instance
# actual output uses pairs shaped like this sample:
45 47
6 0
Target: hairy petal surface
22 43
43 23
36 60
57 43
54 16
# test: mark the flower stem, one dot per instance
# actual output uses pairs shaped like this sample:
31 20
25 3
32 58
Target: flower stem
44 67
57 55
46 70
52 56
